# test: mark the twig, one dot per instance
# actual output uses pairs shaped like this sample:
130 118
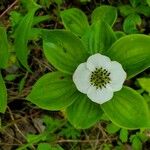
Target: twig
10 144
17 121
104 133
15 125
97 138
12 137
83 141
14 3
88 139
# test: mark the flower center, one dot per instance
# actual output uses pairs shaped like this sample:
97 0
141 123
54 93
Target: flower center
99 78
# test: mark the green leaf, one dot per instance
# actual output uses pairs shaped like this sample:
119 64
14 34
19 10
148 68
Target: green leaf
135 3
145 84
33 139
39 19
148 2
15 18
51 123
35 34
145 10
142 136
131 23
63 50
4 53
45 3
105 13
83 113
132 52
99 38
128 109
123 135
53 91
11 77
70 132
21 38
75 21
119 34
112 128
3 95
126 10
30 4
21 84
136 143
44 146
59 2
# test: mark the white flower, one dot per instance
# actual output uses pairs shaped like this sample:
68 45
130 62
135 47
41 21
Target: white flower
99 77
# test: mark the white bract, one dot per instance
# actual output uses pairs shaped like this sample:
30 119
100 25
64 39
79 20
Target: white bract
99 78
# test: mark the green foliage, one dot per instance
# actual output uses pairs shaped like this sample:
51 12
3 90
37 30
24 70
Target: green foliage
112 128
131 23
59 91
96 41
45 3
123 135
70 132
126 10
145 84
21 84
75 21
119 34
52 124
45 140
45 146
135 3
125 106
134 52
11 77
15 18
136 143
30 5
83 1
21 38
148 2
24 32
137 140
144 10
103 13
83 113
47 136
61 48
107 146
39 19
3 95
132 13
4 52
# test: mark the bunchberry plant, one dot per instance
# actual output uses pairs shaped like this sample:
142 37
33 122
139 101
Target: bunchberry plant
92 66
